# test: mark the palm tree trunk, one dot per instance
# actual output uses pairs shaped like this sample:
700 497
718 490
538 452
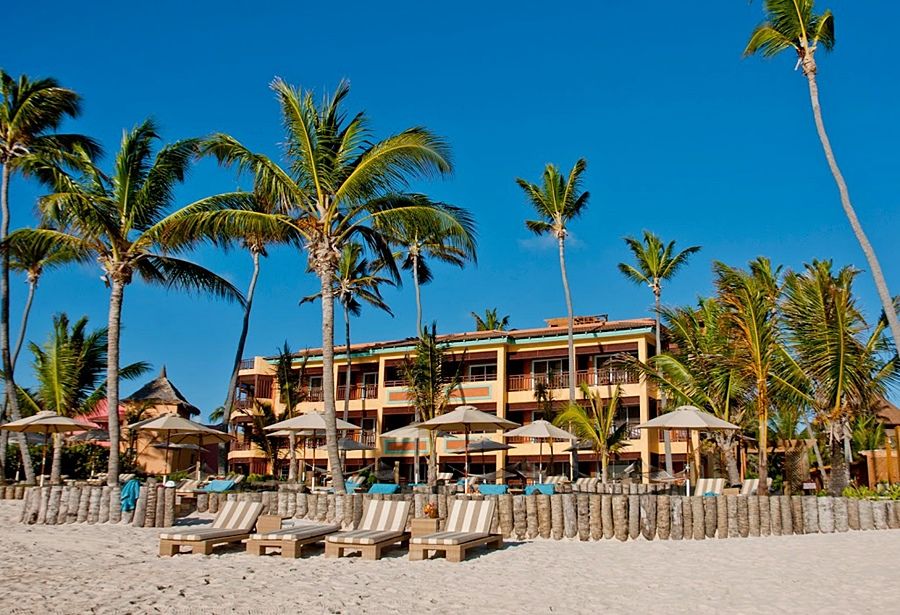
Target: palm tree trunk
415 272
726 445
347 377
667 435
242 340
56 465
112 377
604 467
571 332
9 384
326 277
763 436
884 294
32 286
292 458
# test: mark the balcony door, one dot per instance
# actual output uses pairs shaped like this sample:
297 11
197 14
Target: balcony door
550 371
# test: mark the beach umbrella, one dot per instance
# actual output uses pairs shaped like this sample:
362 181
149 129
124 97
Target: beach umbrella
412 432
349 444
94 435
487 446
689 418
467 419
180 430
541 430
308 424
46 423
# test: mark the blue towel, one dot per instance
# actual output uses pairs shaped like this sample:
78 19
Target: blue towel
492 489
130 492
218 486
384 488
350 486
544 488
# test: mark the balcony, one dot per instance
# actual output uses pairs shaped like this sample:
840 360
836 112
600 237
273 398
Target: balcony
358 391
238 445
246 364
527 382
463 379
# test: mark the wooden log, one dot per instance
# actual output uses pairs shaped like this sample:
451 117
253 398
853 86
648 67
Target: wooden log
25 516
879 515
265 499
74 499
721 517
583 517
545 516
214 501
895 519
825 507
44 502
300 505
677 518
291 503
753 515
81 514
841 523
765 519
634 515
810 515
687 518
570 515
325 510
797 513
743 516
103 513
505 509
698 517
557 522
20 492
312 501
711 515
169 506
419 504
606 515
663 517
731 503
520 517
532 529
866 515
281 502
442 507
338 513
853 513
358 502
160 506
94 505
648 516
53 505
202 502
620 516
775 515
595 516
115 504
787 523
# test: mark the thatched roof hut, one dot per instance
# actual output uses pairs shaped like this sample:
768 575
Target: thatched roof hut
887 413
161 391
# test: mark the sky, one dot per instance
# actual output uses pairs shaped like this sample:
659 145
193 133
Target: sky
682 137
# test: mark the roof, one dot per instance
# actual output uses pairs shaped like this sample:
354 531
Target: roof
887 413
588 325
162 391
100 413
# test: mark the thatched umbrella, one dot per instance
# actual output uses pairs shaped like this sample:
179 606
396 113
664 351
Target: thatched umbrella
180 430
46 423
310 423
542 430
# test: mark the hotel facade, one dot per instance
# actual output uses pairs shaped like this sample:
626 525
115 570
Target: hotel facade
500 371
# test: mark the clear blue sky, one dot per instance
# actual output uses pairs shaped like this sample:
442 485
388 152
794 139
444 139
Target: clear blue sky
682 137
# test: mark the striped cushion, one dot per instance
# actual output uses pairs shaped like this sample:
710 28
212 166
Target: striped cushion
556 480
203 533
445 476
709 485
385 515
586 484
751 486
471 516
298 532
189 485
448 538
364 537
238 515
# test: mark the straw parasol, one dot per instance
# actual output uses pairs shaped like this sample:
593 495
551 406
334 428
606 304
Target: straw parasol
46 423
180 430
467 419
542 430
306 425
487 446
690 418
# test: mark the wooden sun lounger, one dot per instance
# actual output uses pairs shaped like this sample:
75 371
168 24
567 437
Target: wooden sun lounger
233 523
468 526
290 540
382 526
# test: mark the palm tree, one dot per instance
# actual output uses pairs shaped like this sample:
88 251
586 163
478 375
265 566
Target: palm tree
69 370
261 416
338 186
30 114
491 321
793 24
357 279
557 201
121 221
453 243
290 393
750 301
596 424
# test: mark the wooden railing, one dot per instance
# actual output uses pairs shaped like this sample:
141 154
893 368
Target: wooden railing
527 382
466 378
246 364
239 445
357 391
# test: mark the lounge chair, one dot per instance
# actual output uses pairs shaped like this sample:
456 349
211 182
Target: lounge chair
233 523
540 489
290 539
489 489
444 477
468 526
586 485
556 480
353 483
218 486
751 486
188 486
708 486
384 488
382 526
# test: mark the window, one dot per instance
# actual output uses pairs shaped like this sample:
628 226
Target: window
545 367
315 382
370 378
483 372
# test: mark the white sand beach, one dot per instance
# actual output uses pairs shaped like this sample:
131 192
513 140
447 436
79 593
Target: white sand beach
115 569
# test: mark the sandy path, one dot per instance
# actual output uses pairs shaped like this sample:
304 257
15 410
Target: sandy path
114 569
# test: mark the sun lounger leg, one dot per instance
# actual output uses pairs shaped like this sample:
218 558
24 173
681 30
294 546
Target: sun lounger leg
167 548
371 552
254 548
455 554
290 549
416 554
206 547
333 550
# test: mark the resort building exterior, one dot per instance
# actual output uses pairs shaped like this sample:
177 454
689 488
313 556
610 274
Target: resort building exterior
501 371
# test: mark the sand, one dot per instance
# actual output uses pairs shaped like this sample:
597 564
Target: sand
115 569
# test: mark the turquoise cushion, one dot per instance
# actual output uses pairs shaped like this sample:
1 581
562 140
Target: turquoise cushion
543 488
218 486
492 489
384 488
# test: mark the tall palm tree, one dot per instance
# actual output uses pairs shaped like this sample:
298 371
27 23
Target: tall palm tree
338 186
69 369
453 243
356 281
793 24
750 302
290 393
557 201
596 424
121 220
31 111
491 321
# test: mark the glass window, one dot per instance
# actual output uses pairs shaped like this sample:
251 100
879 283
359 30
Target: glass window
370 378
483 371
549 366
315 382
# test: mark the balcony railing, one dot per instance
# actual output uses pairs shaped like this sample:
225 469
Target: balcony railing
527 382
239 445
465 378
358 391
246 364
678 435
